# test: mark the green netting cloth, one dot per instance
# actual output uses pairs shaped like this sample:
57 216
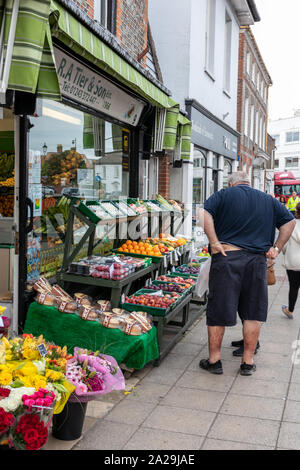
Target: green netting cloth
70 330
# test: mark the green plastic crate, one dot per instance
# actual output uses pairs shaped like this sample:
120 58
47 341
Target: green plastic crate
155 259
158 312
88 212
186 291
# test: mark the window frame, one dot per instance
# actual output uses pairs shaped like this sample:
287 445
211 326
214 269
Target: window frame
227 53
210 37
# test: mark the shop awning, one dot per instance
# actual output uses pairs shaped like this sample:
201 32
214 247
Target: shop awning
77 37
33 70
26 43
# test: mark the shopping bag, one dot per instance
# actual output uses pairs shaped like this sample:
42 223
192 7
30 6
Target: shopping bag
271 273
202 281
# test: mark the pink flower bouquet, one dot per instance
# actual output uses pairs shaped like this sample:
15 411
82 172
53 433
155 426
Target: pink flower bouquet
93 374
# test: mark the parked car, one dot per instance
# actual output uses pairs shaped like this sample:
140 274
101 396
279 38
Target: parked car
48 191
70 192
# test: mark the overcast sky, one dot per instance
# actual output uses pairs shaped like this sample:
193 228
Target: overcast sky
278 38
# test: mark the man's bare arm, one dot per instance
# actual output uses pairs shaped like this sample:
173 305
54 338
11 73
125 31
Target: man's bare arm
285 232
207 223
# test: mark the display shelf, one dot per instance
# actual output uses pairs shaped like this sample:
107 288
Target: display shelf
117 287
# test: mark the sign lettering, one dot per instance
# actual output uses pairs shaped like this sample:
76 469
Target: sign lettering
82 84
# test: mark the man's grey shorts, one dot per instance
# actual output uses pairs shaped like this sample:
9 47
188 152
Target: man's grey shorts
237 284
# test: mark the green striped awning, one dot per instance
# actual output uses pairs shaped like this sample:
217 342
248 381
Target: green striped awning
77 37
32 66
68 29
177 132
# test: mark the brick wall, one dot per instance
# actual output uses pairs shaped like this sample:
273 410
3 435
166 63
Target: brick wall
87 6
247 89
132 26
164 176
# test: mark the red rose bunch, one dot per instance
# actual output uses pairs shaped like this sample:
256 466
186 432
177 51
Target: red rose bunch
4 392
6 420
33 431
40 398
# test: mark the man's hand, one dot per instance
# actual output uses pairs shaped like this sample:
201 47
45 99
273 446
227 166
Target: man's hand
272 253
217 248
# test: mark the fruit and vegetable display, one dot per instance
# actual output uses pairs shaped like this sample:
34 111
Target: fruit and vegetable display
7 205
187 282
137 206
109 267
7 165
170 205
152 246
161 301
168 287
186 269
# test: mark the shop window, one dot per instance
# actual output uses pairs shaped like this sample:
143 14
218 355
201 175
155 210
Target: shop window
104 13
292 137
210 36
226 173
72 156
198 180
292 162
248 63
276 164
228 47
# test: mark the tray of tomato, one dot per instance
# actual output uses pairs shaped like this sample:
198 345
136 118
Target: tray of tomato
150 302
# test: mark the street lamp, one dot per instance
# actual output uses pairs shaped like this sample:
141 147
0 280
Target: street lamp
45 148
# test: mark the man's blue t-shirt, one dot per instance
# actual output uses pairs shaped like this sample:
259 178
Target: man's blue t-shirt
246 217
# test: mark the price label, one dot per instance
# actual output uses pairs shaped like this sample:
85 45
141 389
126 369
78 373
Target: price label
123 298
42 350
165 262
1 322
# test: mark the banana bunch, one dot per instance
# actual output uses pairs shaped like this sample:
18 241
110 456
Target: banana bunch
7 164
9 182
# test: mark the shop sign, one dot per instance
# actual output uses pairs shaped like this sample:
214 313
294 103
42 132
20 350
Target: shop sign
125 150
83 85
212 136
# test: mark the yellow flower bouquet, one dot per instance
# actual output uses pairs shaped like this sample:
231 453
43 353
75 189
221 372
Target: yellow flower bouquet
26 361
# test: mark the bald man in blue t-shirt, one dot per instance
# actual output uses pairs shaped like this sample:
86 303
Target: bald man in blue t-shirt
240 224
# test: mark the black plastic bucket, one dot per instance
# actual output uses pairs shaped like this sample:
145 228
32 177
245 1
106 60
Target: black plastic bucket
67 425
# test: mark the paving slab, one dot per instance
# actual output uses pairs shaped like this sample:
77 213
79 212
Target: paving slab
150 439
289 436
195 399
253 407
221 444
176 419
247 430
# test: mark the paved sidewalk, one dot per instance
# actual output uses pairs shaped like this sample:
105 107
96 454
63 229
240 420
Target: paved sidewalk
179 406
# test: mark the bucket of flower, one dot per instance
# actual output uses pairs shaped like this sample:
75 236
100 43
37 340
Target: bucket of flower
25 417
32 388
92 374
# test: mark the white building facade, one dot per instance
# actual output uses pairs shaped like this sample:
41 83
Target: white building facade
197 43
286 132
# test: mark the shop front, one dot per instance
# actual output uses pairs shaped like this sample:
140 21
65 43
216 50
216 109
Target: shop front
80 141
215 147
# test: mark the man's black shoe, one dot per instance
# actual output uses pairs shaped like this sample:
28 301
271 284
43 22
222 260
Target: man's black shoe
240 351
215 368
247 369
236 344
